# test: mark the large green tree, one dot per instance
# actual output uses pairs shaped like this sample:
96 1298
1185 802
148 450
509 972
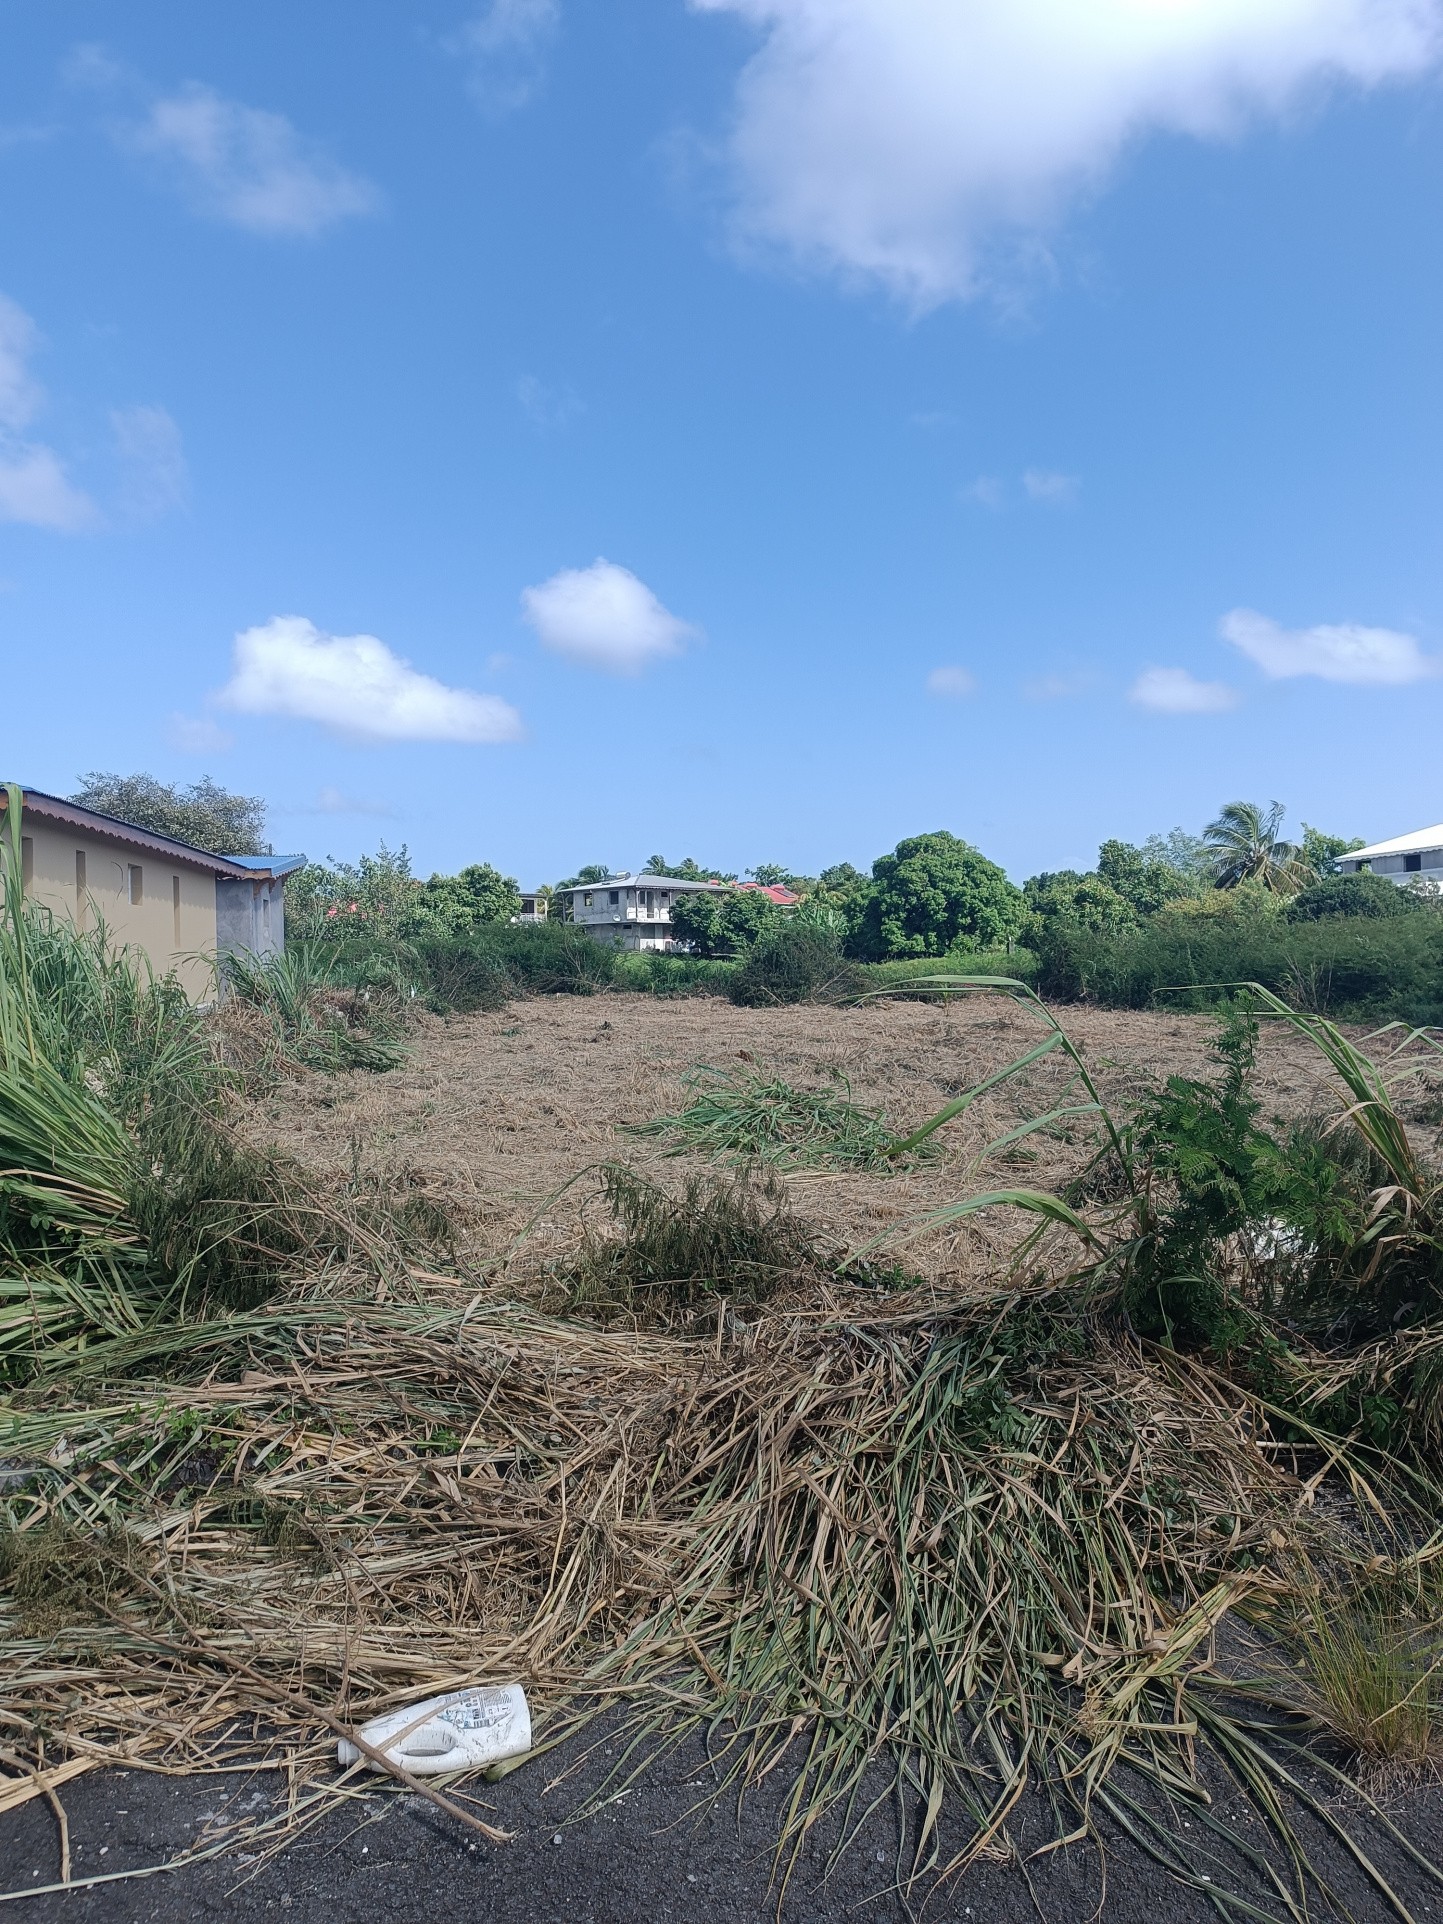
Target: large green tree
721 925
205 815
1146 878
452 904
936 893
1080 901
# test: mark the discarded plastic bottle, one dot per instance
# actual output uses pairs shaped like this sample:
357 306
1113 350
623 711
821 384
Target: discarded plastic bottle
464 1730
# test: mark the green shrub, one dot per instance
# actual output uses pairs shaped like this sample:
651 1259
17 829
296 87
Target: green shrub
1349 967
790 964
1370 895
658 972
1019 964
490 964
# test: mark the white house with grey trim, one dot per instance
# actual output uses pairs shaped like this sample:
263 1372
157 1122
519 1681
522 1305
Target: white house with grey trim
631 911
1404 858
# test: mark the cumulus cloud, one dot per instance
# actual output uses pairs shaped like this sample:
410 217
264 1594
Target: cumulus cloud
951 683
34 486
903 140
505 50
154 478
357 686
1341 652
603 617
1173 691
249 166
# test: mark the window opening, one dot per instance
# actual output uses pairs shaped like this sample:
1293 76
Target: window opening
27 863
1412 864
80 888
135 893
175 905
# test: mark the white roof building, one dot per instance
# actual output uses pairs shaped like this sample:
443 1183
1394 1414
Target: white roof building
631 911
1420 853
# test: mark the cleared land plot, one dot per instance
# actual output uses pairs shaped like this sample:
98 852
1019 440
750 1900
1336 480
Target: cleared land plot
496 1113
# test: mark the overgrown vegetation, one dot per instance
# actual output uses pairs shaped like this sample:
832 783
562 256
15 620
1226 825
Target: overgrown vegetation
960 1544
732 1239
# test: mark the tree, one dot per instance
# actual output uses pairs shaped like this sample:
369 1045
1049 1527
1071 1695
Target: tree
1320 851
596 872
936 893
721 925
1080 901
686 871
1246 846
772 875
205 815
1145 878
452 904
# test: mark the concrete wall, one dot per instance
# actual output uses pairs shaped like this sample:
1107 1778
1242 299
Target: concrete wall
251 915
173 922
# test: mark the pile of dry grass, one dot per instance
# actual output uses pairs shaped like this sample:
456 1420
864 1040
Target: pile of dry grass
968 1541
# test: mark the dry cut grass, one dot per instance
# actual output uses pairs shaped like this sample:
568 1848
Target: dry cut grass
499 1113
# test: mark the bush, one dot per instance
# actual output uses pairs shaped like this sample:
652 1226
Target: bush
486 967
658 972
1369 895
1353 967
1018 964
792 964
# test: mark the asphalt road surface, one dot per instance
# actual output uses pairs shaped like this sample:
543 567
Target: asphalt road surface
651 1855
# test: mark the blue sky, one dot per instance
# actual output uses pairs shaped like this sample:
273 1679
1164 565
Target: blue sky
758 429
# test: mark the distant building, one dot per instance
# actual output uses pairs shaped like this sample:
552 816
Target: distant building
631 911
533 908
178 905
773 891
1420 854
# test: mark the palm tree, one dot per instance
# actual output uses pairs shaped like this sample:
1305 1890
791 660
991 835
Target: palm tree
1244 846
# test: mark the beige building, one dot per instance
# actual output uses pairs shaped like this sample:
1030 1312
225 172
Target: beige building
177 905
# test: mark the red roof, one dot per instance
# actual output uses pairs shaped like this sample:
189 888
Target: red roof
774 892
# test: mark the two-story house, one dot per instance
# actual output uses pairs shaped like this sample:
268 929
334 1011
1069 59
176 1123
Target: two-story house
631 911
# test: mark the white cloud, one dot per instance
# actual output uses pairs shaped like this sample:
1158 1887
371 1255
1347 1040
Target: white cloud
248 166
355 685
986 491
904 140
154 478
548 407
197 735
1344 652
951 683
505 49
20 395
34 487
1173 691
1050 488
603 617
1057 687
